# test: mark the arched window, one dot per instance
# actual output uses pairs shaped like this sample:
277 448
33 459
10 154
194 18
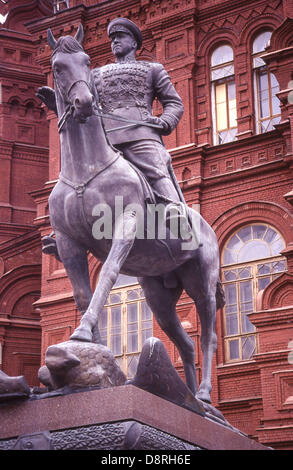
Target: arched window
267 104
223 95
14 107
250 261
126 323
29 110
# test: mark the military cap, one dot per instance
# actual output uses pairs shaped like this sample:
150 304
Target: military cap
125 26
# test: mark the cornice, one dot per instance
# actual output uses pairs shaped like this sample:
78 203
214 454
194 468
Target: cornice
6 147
188 17
244 173
44 191
11 228
239 403
19 323
10 149
237 368
60 19
272 317
224 8
183 151
110 7
244 143
32 157
227 178
20 243
17 74
20 36
270 357
48 301
31 148
278 55
41 193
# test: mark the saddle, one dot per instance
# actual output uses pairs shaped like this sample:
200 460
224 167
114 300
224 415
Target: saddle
174 210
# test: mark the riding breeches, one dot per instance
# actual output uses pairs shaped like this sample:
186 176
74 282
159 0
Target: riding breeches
153 160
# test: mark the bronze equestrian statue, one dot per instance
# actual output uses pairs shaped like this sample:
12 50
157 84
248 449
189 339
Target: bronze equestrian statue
126 89
93 172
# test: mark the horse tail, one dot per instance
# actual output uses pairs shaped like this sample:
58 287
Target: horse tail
220 295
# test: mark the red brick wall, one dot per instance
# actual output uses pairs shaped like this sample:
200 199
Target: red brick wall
23 169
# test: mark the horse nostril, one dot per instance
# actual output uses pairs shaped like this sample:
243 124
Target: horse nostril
77 102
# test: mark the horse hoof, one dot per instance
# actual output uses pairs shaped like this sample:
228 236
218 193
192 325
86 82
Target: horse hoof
82 334
204 396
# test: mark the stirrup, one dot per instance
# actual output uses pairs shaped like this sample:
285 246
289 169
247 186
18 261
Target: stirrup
177 219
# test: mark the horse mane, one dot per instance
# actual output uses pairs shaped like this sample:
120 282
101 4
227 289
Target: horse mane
68 45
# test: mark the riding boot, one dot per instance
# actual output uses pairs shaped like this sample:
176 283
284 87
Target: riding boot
176 211
49 246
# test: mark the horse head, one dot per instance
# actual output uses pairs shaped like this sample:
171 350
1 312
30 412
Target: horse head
72 75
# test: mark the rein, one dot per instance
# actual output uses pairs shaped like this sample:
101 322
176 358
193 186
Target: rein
130 122
67 113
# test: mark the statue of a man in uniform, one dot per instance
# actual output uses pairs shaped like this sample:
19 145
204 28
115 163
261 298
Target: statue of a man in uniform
127 89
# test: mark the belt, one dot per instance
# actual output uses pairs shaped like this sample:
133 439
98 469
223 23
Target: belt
131 122
122 104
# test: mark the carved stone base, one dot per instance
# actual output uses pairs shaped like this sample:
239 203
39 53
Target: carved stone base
124 417
123 435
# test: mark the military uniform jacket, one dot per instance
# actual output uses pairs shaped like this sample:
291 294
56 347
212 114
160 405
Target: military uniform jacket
128 89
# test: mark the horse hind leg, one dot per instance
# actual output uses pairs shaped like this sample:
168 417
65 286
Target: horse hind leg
199 279
206 308
162 301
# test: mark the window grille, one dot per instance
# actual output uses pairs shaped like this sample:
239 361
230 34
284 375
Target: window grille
250 261
126 323
223 95
266 87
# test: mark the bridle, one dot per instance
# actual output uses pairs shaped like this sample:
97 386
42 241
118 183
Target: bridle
70 107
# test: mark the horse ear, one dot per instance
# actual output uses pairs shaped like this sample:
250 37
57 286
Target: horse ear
51 40
79 34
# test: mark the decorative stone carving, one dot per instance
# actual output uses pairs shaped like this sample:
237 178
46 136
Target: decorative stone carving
128 435
13 387
78 364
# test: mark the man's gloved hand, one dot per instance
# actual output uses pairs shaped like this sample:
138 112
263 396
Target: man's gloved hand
47 95
160 122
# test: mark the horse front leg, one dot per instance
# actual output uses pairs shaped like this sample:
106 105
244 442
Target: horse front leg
124 235
74 259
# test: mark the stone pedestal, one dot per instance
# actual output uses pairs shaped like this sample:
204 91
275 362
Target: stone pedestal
118 418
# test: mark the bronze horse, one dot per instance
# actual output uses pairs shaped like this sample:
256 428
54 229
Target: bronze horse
92 173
